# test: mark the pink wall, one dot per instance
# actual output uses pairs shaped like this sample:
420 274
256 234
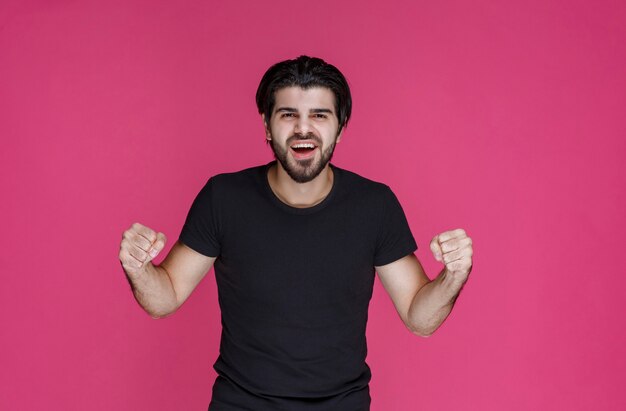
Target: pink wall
505 119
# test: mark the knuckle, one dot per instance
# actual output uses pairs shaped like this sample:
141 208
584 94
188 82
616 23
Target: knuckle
140 242
138 253
452 245
150 234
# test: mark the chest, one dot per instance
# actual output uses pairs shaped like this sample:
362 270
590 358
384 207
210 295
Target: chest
293 259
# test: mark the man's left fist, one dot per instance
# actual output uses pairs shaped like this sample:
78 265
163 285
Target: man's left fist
454 249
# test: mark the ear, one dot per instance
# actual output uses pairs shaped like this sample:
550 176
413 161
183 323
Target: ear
268 133
338 139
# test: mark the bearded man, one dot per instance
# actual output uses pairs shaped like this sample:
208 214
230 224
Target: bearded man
295 245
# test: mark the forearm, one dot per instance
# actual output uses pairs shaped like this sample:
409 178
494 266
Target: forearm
432 304
153 290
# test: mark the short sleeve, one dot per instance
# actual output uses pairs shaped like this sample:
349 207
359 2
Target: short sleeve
395 239
200 231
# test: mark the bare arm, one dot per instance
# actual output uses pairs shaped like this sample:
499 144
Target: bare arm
162 289
422 304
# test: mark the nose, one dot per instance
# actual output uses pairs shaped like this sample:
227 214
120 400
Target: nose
303 126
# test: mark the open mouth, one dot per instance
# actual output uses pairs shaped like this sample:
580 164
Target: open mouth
303 150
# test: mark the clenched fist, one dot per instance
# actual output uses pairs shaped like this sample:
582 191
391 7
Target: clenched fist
454 249
139 246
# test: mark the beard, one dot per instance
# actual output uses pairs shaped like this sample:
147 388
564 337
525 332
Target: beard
302 171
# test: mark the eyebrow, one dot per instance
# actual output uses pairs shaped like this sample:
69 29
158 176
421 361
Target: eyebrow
293 110
286 109
322 110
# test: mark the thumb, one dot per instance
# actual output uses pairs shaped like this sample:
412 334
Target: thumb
435 247
157 246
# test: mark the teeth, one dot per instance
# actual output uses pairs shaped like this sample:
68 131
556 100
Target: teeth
303 145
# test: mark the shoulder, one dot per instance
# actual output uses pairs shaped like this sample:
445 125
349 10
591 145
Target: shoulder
354 184
236 181
228 188
242 176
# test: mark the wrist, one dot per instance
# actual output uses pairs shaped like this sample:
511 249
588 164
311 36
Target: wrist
450 283
139 276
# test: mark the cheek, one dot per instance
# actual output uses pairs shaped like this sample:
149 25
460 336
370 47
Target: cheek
330 135
280 129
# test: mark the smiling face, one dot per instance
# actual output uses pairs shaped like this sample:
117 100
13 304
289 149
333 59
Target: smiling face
303 130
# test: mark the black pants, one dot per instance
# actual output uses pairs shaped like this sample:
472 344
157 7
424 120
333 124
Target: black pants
228 396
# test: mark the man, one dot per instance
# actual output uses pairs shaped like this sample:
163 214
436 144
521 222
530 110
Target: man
295 245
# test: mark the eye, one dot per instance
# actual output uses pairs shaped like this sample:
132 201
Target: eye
287 114
320 115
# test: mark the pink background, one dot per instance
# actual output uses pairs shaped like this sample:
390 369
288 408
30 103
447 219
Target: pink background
506 119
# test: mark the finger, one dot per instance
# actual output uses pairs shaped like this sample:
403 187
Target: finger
448 235
144 231
455 244
131 263
137 253
436 248
138 241
457 255
157 246
128 261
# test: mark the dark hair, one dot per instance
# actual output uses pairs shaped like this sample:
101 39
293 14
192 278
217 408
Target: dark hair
304 72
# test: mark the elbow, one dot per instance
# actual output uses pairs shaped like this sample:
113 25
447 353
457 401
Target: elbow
155 316
160 314
421 331
422 334
162 310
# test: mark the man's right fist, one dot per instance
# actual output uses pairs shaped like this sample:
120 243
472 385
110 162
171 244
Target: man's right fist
139 246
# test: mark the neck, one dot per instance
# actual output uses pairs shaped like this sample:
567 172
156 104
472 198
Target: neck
300 195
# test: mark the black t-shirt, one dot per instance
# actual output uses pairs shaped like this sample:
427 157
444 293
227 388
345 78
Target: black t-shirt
294 286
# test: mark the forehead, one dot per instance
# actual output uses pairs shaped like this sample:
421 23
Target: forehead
305 99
